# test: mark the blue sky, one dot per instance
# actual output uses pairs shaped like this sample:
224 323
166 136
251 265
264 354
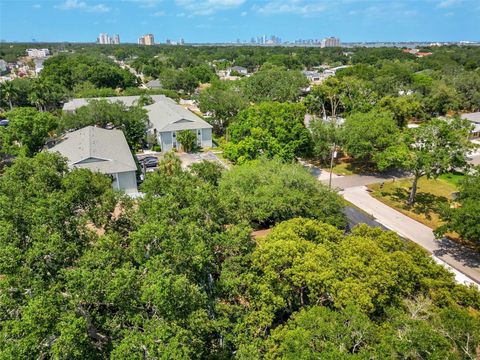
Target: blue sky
228 20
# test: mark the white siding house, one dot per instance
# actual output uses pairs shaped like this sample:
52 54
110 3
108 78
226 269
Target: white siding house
101 150
167 118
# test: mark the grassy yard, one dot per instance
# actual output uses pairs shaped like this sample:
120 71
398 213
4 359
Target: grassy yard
452 178
431 195
347 168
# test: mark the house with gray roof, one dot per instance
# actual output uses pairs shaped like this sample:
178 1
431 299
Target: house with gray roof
154 84
167 118
74 104
474 118
100 150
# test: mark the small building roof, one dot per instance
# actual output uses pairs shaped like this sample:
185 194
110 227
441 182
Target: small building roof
97 149
167 115
473 117
154 84
239 68
311 73
74 104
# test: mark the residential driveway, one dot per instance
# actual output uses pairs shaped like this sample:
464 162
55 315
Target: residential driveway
475 159
192 158
443 251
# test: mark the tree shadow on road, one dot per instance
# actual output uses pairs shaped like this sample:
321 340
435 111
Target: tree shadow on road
465 254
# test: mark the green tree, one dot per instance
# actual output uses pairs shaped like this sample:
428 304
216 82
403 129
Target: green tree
325 134
8 91
208 171
272 129
188 139
28 130
329 95
465 219
366 136
274 84
265 192
430 150
132 120
403 108
46 95
224 100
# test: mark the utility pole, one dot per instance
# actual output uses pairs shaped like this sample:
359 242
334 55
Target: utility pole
334 155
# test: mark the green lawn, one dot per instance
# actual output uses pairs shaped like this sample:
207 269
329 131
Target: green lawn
348 168
453 178
431 195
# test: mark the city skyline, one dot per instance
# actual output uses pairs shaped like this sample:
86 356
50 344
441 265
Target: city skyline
225 21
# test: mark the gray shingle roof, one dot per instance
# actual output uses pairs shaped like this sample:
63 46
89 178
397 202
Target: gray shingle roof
97 149
127 100
154 84
167 115
473 117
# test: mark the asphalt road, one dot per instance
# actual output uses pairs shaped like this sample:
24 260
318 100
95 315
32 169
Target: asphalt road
356 217
457 256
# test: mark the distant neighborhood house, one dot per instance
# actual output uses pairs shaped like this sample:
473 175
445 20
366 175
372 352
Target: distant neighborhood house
474 118
239 69
167 118
74 104
100 150
154 84
314 77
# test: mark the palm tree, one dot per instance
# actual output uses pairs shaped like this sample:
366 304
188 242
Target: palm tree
38 95
9 92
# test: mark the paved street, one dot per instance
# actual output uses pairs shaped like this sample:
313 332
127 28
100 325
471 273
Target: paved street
449 252
460 260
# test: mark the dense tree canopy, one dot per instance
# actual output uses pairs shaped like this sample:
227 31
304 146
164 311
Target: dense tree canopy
89 273
132 120
275 130
266 192
465 219
174 275
434 148
366 135
274 84
71 70
28 130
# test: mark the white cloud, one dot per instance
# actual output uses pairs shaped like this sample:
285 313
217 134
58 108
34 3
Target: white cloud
72 4
36 6
145 3
98 8
243 13
298 7
82 5
208 7
159 13
447 3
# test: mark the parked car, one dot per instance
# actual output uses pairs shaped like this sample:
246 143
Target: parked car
149 161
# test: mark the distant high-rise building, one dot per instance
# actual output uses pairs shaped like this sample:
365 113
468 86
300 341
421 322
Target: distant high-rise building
38 53
146 39
330 42
182 41
115 39
103 39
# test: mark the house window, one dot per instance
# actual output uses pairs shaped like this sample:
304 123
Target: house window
199 137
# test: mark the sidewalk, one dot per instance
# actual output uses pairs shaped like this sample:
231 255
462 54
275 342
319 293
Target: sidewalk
443 251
